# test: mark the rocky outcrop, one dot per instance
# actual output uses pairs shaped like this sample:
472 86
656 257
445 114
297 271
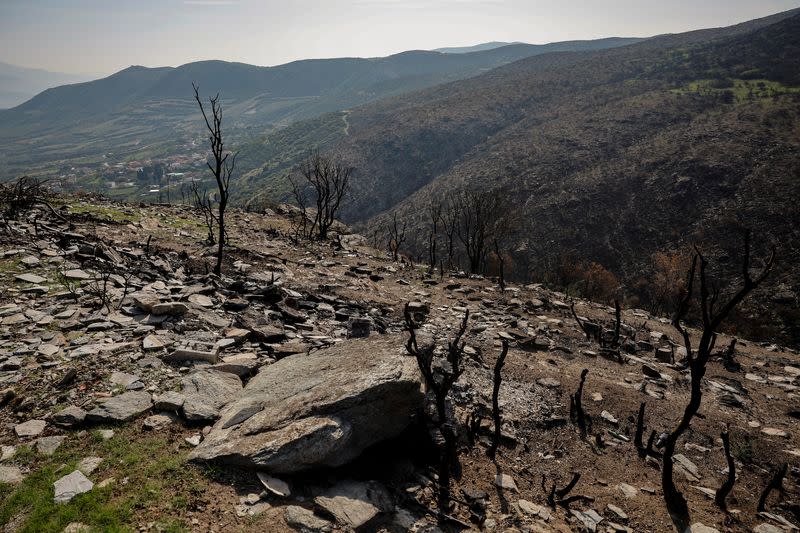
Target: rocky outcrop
320 410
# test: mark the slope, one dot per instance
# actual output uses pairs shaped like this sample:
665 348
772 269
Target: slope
143 107
604 156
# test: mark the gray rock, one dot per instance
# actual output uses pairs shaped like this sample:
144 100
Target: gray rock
48 445
70 417
304 520
70 486
31 428
169 308
76 274
318 410
152 342
30 278
169 401
127 381
768 528
276 486
10 474
145 300
701 528
154 422
89 464
122 408
629 491
354 503
206 392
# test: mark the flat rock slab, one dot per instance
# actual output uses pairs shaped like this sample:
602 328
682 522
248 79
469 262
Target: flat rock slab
30 278
304 520
70 486
320 410
49 445
31 428
354 503
121 408
10 474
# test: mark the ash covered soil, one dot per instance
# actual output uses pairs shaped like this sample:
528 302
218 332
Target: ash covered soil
101 406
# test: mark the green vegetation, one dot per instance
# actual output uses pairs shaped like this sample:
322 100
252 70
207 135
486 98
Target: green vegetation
104 212
152 482
738 90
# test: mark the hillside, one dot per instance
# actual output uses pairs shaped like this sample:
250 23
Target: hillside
109 413
606 156
140 109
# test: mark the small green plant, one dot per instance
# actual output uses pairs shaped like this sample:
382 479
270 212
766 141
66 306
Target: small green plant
743 450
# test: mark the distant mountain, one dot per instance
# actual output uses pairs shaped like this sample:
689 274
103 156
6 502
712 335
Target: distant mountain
18 84
477 48
608 156
564 46
141 108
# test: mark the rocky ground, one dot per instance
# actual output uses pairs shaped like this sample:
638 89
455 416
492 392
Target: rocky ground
140 392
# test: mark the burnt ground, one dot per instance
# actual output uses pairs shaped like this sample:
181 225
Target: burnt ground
161 491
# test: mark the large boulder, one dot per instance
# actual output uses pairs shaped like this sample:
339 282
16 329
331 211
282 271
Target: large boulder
319 410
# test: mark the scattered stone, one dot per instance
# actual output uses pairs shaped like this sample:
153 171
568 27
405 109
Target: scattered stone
687 466
70 486
89 464
590 518
169 401
48 445
617 511
506 482
533 509
122 408
194 440
304 520
154 422
127 381
629 491
30 278
701 528
169 308
768 528
608 417
10 474
201 300
550 383
152 343
774 432
106 434
31 428
354 503
77 274
274 485
7 452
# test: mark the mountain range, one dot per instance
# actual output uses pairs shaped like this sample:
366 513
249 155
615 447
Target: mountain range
608 156
140 107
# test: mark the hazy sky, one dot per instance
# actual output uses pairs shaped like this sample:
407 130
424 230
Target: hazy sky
103 36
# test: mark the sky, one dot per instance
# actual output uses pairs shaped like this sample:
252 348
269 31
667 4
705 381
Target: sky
104 36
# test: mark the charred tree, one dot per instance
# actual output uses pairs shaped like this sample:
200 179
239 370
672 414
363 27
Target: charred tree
327 180
222 166
712 315
440 382
498 368
725 489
